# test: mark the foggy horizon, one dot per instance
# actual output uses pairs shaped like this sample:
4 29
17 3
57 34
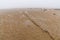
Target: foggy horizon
7 4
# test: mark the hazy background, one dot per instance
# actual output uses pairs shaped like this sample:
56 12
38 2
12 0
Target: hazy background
29 4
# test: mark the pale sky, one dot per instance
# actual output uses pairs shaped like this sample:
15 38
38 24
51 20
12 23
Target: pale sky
29 4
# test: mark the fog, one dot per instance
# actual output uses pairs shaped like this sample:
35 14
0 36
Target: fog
4 4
